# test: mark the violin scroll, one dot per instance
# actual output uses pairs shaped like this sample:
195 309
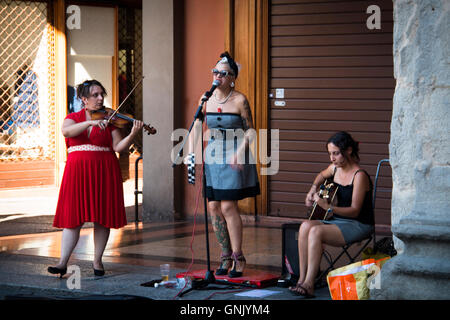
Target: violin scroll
150 130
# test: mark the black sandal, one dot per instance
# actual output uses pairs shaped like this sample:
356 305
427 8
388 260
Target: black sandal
225 264
238 265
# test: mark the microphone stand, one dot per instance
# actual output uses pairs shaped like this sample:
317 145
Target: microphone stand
209 275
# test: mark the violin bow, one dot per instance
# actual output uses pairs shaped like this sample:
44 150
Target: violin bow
121 104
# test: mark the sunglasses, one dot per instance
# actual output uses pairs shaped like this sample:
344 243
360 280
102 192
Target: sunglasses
222 73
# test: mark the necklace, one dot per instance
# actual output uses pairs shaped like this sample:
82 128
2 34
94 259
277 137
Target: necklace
225 100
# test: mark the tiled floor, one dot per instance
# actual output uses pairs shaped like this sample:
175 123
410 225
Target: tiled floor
137 244
155 243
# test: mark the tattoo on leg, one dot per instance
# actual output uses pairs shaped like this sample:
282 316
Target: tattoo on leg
221 231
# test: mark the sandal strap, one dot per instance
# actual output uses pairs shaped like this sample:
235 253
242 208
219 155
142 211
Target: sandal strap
226 255
225 261
238 256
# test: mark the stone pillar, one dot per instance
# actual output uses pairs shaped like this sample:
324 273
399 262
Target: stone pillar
420 154
158 109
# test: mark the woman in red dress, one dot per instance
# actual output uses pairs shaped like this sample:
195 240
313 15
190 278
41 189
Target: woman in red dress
91 188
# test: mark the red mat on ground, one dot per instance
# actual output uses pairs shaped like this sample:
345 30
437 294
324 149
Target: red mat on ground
252 277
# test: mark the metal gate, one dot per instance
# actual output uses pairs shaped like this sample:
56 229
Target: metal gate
27 108
130 72
27 94
130 64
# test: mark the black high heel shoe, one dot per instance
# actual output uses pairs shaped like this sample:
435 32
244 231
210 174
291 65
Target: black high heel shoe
98 272
55 270
238 265
225 264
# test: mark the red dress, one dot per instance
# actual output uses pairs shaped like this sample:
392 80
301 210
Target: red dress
92 187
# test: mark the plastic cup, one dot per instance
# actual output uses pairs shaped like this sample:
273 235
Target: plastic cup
165 271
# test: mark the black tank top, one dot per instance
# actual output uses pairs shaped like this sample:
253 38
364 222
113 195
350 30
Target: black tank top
344 196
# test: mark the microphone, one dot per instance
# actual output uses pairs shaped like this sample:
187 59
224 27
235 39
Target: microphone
199 114
208 94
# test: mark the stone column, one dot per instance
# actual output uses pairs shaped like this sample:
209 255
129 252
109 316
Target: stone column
158 109
420 154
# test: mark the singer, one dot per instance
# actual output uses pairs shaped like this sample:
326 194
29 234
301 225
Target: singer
230 174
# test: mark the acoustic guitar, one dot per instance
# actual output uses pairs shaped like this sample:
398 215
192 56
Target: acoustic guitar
328 192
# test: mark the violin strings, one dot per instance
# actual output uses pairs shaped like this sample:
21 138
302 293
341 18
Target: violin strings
121 104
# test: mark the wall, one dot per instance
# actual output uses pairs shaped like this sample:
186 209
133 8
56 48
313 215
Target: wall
204 30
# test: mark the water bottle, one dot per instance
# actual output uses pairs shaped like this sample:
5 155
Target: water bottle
184 282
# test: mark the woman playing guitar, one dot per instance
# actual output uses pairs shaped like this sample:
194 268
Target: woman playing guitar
351 219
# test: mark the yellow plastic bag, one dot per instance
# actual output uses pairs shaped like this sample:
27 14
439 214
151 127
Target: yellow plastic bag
351 282
369 253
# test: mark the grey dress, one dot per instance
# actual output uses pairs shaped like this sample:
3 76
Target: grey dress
359 228
222 181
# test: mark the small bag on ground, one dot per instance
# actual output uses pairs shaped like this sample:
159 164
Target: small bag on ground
354 281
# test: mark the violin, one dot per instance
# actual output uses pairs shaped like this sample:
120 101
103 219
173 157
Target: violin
119 120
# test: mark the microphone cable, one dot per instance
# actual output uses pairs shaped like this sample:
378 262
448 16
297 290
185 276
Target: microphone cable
195 222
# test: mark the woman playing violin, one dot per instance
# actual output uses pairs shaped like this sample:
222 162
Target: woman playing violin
91 188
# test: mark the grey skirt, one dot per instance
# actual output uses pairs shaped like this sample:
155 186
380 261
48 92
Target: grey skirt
223 182
352 230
